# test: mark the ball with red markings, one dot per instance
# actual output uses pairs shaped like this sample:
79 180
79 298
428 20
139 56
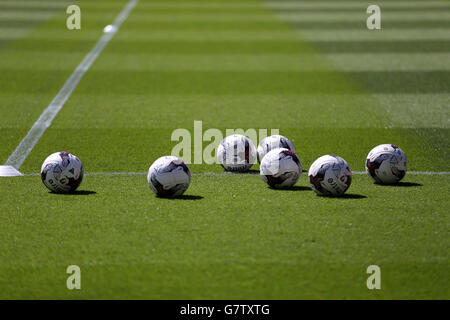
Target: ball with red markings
169 177
330 175
62 172
280 168
236 153
386 164
273 142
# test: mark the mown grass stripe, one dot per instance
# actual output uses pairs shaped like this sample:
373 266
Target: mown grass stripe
244 62
252 82
250 36
241 82
25 15
361 24
323 17
233 47
369 46
385 35
349 5
361 9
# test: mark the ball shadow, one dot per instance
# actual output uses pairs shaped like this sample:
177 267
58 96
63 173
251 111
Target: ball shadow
251 171
347 196
75 193
402 184
352 196
184 197
293 188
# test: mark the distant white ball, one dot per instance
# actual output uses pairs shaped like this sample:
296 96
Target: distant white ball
281 168
236 153
62 172
273 142
330 175
386 164
169 177
109 28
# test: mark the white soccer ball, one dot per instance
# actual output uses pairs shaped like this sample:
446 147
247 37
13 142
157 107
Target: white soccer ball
273 142
330 176
280 168
169 177
386 164
62 172
236 153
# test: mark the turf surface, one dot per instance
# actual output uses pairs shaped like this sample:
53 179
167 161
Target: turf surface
307 68
229 237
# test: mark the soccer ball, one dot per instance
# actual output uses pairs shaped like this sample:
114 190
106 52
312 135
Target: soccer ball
169 177
386 164
273 142
62 172
281 168
236 153
330 176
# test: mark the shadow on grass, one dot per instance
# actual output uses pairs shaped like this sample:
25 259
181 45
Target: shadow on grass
346 196
75 193
251 171
184 197
352 196
401 184
294 188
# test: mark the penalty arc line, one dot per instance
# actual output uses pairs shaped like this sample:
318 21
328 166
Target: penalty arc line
45 120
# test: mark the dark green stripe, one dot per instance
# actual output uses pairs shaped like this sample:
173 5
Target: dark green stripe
236 47
234 82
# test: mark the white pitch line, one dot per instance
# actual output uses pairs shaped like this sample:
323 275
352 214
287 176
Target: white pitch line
231 173
45 120
428 173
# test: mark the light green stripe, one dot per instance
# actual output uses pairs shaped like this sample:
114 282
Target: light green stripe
404 110
255 36
362 16
409 111
201 4
31 4
12 33
174 35
355 4
391 61
200 17
25 15
241 62
375 35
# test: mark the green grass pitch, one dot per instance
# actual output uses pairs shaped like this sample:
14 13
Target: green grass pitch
308 68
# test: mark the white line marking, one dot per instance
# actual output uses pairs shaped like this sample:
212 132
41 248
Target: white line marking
116 173
428 173
8 171
230 173
45 120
